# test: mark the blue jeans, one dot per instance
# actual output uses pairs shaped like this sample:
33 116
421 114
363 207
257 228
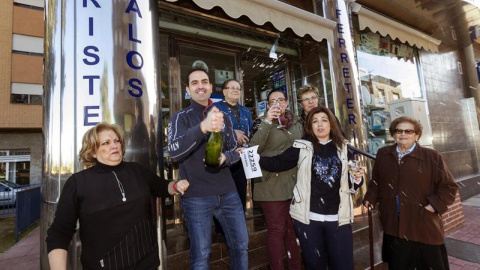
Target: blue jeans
228 210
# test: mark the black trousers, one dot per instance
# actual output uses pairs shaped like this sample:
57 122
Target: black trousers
402 254
325 243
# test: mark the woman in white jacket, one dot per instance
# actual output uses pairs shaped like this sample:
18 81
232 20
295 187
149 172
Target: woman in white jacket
322 206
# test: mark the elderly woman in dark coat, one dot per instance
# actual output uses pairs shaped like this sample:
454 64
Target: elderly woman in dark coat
413 187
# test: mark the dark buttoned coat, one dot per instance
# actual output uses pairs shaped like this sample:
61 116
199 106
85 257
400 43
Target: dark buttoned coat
421 178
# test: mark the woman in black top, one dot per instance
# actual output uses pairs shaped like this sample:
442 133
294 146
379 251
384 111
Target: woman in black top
322 206
111 199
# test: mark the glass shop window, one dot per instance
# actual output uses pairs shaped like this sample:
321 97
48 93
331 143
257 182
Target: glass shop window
389 75
15 166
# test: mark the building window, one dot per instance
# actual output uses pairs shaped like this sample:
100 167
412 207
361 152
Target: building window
26 93
26 99
19 98
30 44
389 75
15 166
35 99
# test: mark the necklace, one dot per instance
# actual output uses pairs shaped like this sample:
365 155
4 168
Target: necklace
120 186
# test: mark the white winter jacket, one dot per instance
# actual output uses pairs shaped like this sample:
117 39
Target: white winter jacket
300 205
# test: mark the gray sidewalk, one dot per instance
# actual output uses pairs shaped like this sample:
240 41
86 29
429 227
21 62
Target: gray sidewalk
24 255
463 244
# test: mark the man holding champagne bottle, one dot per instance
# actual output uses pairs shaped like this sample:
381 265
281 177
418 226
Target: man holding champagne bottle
212 191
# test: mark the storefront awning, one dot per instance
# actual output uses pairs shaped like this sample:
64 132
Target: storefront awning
385 26
281 15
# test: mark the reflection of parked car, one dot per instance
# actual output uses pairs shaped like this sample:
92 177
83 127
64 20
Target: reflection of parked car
8 192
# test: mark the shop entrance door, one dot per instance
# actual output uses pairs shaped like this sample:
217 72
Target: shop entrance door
253 69
257 72
221 64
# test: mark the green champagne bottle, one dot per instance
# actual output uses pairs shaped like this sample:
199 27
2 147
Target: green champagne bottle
213 151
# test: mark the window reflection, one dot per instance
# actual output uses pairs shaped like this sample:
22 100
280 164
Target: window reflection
389 75
398 72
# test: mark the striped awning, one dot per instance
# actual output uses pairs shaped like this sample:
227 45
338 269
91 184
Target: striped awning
280 14
386 26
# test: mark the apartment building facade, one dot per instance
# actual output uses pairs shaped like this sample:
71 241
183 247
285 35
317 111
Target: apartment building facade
21 90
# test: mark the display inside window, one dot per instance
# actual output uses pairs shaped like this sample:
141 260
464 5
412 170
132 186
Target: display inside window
389 73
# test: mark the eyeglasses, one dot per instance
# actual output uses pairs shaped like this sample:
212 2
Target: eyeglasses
312 99
406 131
274 101
233 88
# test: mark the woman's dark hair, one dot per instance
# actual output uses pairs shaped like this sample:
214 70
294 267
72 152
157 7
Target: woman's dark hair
225 83
405 119
335 132
274 91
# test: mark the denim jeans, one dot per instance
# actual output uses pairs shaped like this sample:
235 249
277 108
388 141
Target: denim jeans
228 209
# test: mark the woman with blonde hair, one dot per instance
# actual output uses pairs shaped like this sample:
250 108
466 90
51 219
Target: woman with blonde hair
308 99
111 200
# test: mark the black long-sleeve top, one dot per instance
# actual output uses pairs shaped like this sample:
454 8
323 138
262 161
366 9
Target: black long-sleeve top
326 175
115 234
